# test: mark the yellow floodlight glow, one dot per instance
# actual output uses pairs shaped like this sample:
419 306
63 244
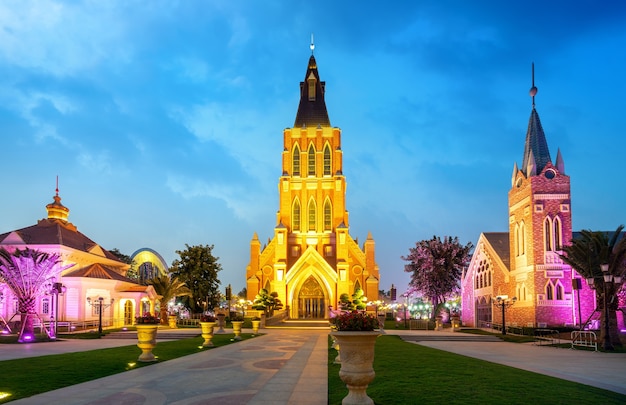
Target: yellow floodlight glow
4 395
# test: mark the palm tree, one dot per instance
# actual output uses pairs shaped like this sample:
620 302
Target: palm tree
168 288
28 273
586 254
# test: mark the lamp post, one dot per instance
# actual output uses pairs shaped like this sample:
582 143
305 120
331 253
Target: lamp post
503 301
101 306
57 288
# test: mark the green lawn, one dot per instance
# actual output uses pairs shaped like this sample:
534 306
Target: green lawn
407 373
62 370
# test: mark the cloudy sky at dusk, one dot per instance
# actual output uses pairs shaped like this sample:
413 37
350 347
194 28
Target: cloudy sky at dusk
164 119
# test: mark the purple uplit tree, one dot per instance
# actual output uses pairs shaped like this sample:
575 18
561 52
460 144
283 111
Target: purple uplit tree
436 267
28 274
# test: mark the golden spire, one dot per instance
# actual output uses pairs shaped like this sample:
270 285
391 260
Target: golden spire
56 210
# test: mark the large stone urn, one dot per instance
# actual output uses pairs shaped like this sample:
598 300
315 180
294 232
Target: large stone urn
237 329
221 320
357 364
171 321
255 326
207 333
146 341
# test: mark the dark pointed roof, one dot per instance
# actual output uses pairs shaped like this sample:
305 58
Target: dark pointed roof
312 109
536 146
499 241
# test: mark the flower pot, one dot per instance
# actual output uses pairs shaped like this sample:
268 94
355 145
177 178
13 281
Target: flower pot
237 329
357 360
255 326
220 323
207 333
146 341
171 321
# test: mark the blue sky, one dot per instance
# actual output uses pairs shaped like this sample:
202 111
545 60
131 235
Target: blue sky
164 119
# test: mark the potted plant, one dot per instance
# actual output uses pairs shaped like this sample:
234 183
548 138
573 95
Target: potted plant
355 333
237 321
147 326
207 322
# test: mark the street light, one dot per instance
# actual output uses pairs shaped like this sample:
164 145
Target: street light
606 279
101 305
503 301
57 288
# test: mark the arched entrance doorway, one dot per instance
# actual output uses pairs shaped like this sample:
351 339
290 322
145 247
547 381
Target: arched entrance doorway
129 313
311 300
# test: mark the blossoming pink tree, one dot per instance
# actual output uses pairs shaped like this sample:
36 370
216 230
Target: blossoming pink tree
436 267
28 274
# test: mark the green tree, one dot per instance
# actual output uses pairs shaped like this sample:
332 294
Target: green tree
198 269
355 302
267 302
168 288
586 254
132 272
436 267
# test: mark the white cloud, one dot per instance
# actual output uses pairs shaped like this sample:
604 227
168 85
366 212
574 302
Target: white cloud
241 202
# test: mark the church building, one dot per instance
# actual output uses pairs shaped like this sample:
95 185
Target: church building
312 259
524 262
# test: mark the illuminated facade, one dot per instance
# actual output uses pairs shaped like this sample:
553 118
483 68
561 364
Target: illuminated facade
312 259
94 273
524 262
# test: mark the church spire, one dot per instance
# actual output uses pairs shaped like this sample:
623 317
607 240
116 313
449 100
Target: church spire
312 109
56 210
536 146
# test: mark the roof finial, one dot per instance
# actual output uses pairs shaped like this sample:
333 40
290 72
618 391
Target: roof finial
57 189
533 90
312 46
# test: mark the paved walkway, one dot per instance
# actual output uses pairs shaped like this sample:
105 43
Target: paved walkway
287 366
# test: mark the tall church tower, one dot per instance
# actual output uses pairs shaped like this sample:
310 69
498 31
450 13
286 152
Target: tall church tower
540 222
312 259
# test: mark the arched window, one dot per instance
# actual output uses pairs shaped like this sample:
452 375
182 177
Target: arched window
45 306
557 233
357 286
295 163
328 217
547 234
522 238
267 285
327 161
559 292
312 215
311 160
549 291
295 216
516 242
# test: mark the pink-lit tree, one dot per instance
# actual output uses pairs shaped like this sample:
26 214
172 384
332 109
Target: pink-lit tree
436 267
28 273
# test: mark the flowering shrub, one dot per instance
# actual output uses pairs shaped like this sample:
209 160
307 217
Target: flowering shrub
355 321
147 318
207 317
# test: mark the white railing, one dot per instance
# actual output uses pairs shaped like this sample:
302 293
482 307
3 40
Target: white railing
584 338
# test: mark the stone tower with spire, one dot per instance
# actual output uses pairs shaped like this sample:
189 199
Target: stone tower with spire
312 259
540 222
